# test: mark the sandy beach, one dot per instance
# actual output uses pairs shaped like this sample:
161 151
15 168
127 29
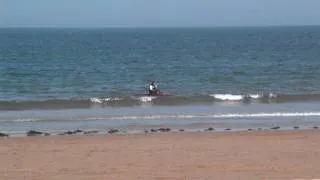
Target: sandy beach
203 155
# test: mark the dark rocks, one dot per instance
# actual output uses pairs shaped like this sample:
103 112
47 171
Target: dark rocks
90 132
112 131
315 127
228 129
77 131
153 130
250 129
210 129
67 133
46 134
275 128
161 130
296 127
34 133
4 135
260 129
164 129
181 130
71 132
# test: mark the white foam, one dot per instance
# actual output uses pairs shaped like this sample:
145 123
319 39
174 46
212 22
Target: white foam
112 99
255 96
102 100
21 120
221 116
95 100
229 97
146 98
232 97
272 95
276 114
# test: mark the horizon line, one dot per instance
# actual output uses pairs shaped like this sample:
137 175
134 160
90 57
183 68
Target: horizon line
152 27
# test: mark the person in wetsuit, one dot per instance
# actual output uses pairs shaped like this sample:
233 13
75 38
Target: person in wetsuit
153 89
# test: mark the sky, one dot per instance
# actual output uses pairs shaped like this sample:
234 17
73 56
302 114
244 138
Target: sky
158 13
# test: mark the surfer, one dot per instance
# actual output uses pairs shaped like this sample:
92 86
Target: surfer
153 89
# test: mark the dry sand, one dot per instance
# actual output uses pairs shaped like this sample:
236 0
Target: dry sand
212 155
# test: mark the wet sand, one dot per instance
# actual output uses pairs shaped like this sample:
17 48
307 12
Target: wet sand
203 155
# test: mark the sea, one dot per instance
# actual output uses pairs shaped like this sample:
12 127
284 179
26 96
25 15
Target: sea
54 79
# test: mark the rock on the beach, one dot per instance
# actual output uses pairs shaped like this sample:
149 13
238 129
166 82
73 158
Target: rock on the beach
4 135
34 133
68 133
228 129
90 132
277 127
209 129
181 130
164 129
71 132
296 127
78 131
111 131
153 130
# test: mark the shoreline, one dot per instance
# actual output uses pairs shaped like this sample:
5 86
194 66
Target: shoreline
148 130
198 155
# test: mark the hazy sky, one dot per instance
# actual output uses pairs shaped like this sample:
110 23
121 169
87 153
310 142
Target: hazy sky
157 13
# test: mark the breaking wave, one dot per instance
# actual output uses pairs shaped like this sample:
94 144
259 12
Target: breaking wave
218 116
128 101
176 116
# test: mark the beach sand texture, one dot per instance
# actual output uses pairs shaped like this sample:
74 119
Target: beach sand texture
210 155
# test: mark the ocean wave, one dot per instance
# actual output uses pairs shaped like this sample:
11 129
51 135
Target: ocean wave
173 117
45 104
235 97
102 100
229 97
22 120
115 99
218 116
127 101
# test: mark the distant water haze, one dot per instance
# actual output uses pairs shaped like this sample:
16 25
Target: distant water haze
164 13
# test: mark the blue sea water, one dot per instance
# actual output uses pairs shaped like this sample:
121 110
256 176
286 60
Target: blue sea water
44 70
